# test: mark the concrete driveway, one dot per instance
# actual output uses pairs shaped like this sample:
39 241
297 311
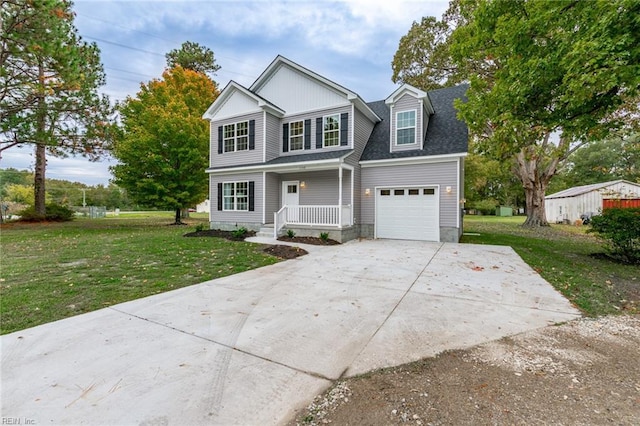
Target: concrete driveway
252 347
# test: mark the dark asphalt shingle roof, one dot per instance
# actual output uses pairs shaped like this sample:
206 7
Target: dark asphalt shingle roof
314 156
445 134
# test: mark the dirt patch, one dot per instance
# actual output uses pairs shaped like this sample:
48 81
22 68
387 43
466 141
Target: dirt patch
285 252
309 240
220 234
583 372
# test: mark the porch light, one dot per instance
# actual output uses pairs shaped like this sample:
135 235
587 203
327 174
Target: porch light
302 184
448 189
367 191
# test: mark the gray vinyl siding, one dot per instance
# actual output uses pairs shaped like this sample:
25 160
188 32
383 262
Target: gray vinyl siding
362 128
241 157
236 216
406 103
272 199
274 127
443 174
312 116
321 187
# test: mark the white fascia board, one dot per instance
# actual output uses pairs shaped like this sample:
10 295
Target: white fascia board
332 163
413 91
405 88
228 91
281 60
364 108
425 159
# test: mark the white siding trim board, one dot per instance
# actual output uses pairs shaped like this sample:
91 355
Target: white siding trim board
412 160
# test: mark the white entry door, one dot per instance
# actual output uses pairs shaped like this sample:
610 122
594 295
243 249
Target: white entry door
291 198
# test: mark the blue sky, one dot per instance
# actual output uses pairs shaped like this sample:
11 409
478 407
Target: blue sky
349 42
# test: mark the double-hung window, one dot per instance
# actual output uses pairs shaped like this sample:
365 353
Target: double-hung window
405 128
331 127
296 135
235 196
236 136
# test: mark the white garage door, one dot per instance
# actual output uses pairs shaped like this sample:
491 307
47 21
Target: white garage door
407 213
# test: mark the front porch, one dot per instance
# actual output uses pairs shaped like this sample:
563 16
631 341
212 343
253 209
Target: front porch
316 219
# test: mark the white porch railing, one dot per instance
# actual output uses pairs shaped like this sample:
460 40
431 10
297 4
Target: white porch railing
312 216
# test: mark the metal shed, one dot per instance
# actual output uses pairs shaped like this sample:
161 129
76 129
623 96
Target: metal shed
567 206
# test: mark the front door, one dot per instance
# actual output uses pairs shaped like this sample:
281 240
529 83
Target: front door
291 198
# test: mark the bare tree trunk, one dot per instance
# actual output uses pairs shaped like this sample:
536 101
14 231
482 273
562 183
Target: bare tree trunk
178 221
41 154
39 180
535 176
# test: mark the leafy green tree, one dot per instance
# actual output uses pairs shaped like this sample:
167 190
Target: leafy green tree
538 69
164 146
48 86
605 160
192 56
11 175
22 194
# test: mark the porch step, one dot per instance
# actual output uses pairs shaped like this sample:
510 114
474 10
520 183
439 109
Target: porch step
265 231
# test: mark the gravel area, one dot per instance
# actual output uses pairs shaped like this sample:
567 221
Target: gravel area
584 372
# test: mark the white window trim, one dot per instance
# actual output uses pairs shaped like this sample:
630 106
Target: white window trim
415 128
301 135
235 196
324 132
235 137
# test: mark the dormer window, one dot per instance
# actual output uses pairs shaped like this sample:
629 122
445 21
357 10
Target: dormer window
406 127
296 134
331 126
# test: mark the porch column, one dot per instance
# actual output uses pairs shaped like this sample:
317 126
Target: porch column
340 196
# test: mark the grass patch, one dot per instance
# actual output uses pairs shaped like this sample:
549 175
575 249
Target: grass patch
55 270
568 258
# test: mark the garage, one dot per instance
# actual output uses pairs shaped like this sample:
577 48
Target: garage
407 213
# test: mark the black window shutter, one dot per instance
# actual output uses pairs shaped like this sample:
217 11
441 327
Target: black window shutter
219 139
219 195
307 134
252 134
252 196
285 137
344 129
319 132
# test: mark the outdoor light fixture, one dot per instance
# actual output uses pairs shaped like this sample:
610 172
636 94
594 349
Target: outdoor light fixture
448 188
302 184
367 191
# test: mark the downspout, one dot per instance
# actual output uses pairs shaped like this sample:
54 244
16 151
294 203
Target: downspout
340 195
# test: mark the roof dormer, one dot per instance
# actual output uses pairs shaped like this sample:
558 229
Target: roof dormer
410 109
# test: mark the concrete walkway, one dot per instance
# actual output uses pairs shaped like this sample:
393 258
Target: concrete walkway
251 348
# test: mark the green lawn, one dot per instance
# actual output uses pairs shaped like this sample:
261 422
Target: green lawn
53 271
564 256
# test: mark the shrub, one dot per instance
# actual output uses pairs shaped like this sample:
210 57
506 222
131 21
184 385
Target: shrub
239 233
486 207
54 213
200 227
324 236
621 229
290 233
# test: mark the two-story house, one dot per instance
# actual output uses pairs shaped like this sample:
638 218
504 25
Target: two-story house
298 151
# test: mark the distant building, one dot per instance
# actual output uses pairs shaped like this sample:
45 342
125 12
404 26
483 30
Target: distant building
570 204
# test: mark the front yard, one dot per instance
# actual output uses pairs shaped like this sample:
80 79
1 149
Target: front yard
53 271
57 270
